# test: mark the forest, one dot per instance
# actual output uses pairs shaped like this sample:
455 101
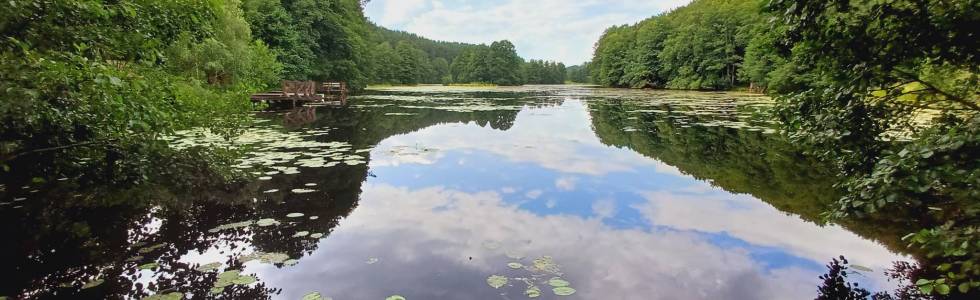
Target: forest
886 91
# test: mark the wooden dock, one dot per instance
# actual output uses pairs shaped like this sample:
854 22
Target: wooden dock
305 92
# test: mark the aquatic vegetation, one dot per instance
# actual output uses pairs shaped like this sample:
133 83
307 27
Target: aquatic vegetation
295 215
209 267
515 265
267 222
497 281
315 296
230 278
372 260
563 291
231 226
93 283
149 249
316 235
302 191
269 258
546 264
301 234
532 292
395 297
167 296
149 266
557 282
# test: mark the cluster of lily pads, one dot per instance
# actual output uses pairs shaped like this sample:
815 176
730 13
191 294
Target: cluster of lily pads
542 271
272 151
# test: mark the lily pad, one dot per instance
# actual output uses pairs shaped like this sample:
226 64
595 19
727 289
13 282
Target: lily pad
316 235
290 263
496 281
271 191
546 264
167 296
532 292
149 266
563 291
310 184
301 234
295 215
267 222
372 260
557 282
149 249
229 278
862 268
395 297
315 296
209 267
93 283
303 191
515 265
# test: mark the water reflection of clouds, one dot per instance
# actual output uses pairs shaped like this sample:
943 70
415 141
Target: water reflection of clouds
757 223
425 238
623 226
569 149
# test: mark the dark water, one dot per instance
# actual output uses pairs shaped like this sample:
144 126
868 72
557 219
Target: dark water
428 192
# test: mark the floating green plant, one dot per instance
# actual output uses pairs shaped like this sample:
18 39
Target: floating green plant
301 234
315 296
231 226
167 296
533 292
230 278
547 265
149 249
395 297
496 281
267 222
149 266
557 282
209 267
295 215
93 283
563 291
515 265
862 268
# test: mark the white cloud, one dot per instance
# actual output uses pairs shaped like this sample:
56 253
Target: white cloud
565 183
541 29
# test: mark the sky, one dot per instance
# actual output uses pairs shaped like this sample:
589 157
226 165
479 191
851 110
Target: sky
560 30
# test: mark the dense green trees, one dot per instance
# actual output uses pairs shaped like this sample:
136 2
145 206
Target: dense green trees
323 40
699 46
544 72
91 85
887 90
579 73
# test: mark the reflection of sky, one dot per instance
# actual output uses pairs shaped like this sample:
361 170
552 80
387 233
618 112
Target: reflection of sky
622 226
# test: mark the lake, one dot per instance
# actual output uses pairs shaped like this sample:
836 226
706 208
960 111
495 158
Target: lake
430 192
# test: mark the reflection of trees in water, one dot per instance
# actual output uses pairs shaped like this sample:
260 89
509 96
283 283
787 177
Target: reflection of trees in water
736 160
63 241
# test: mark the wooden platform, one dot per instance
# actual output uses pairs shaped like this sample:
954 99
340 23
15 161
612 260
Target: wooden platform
299 93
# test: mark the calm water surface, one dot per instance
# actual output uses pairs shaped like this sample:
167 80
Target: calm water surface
427 192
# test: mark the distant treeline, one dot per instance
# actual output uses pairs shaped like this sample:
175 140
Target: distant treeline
702 45
405 58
